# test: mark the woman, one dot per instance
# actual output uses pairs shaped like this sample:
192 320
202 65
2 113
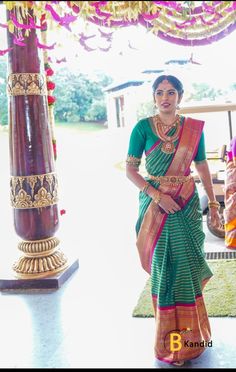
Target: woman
169 228
230 197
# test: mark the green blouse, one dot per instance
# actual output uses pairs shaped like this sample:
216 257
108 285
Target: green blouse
143 138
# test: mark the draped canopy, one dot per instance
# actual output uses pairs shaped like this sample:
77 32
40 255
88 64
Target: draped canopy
180 22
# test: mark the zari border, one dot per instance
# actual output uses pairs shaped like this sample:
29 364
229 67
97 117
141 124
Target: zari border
36 191
26 83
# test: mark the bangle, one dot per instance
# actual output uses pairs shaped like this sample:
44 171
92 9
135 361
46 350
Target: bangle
157 197
145 188
214 204
132 160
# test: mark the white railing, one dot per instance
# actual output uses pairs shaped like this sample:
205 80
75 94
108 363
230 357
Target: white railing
197 109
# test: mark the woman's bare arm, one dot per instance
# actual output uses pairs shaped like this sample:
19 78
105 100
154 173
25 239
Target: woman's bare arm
166 201
132 172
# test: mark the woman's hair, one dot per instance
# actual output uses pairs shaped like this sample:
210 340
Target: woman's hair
172 80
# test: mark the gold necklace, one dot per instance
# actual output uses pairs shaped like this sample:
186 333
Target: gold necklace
167 126
168 146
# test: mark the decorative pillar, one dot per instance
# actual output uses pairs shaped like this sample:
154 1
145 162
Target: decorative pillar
33 179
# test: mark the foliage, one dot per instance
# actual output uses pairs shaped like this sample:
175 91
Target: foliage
204 91
146 109
3 95
79 97
199 92
97 111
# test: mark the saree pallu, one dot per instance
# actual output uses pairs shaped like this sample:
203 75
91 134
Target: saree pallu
171 250
230 198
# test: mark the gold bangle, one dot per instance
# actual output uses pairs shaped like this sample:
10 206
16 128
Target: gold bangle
214 204
145 188
132 160
157 197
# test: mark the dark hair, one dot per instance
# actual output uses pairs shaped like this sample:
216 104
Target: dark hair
172 80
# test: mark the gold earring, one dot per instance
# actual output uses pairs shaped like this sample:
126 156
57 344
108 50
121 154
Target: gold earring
155 109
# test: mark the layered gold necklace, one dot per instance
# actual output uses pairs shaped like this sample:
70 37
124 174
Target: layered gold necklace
168 146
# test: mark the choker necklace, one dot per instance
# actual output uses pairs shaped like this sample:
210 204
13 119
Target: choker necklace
168 146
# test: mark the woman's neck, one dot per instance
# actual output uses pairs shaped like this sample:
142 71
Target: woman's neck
168 118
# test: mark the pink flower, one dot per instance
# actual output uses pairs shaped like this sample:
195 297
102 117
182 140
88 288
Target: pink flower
49 72
54 147
51 100
51 85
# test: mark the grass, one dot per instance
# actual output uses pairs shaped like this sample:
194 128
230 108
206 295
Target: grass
87 127
219 293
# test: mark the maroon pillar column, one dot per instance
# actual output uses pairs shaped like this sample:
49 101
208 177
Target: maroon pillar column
33 178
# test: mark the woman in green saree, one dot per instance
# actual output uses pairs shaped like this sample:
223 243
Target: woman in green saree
169 230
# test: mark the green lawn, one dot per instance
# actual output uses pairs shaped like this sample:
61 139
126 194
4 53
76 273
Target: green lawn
83 127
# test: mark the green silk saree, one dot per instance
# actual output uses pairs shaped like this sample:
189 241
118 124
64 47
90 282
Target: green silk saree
171 248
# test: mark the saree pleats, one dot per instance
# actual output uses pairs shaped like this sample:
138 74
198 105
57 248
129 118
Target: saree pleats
171 248
179 272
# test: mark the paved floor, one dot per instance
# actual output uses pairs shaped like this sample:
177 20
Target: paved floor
87 323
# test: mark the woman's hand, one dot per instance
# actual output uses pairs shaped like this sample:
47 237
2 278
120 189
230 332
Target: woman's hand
215 218
168 204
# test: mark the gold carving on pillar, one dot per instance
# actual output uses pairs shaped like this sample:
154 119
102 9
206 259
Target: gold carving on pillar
35 191
26 83
41 259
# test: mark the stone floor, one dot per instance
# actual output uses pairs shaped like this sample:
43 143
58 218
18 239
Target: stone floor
87 323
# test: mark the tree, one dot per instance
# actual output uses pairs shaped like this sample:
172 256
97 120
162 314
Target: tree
3 94
80 97
204 91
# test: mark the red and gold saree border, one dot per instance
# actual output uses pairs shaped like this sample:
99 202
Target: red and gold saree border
190 322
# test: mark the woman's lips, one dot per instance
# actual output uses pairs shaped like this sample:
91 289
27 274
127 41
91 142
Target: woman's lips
165 104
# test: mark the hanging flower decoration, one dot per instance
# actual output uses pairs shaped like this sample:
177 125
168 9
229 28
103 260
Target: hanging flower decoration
48 70
50 84
180 22
62 211
51 100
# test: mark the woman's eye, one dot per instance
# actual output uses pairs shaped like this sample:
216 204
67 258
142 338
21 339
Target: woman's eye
159 93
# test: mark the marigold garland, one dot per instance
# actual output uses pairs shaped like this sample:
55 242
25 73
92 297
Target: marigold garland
180 22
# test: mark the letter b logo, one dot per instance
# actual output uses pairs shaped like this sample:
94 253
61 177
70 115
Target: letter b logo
175 342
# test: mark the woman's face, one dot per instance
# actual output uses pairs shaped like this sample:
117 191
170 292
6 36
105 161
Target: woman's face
166 97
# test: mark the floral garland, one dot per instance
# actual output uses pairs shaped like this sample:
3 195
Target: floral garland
51 101
50 85
180 22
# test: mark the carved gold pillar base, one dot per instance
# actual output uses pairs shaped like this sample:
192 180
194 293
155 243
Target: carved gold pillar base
41 259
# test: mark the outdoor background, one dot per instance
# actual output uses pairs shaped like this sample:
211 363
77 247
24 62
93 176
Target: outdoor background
91 153
101 204
83 69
